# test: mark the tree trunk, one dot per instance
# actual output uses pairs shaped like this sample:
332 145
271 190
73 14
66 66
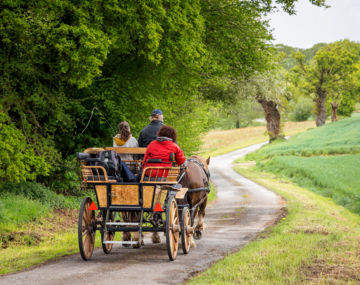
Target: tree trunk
272 117
334 110
320 107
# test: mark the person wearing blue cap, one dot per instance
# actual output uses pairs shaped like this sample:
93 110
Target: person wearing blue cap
148 134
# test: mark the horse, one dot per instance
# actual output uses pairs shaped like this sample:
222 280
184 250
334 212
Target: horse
196 179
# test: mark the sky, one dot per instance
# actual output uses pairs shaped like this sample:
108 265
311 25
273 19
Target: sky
312 24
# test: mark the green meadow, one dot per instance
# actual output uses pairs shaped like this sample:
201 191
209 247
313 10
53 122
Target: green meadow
317 239
325 160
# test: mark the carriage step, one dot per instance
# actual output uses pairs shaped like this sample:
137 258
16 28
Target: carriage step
120 242
122 224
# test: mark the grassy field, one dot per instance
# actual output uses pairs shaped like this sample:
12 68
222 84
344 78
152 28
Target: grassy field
36 225
316 243
318 240
326 160
220 142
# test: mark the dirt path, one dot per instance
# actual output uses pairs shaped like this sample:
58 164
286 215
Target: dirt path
242 210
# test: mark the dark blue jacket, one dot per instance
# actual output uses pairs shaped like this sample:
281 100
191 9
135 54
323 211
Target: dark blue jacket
148 134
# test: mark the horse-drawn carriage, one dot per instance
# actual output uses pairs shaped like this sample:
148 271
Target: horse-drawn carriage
160 202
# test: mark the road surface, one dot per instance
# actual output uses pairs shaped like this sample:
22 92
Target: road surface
242 210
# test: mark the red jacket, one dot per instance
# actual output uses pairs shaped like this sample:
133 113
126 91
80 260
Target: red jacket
161 148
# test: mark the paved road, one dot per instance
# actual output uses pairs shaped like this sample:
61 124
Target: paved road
242 210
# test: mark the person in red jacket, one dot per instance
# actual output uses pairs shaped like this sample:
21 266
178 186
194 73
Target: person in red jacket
161 149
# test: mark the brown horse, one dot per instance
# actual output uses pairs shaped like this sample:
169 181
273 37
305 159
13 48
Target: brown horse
196 178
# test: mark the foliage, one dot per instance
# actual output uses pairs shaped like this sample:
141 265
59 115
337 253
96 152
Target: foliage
18 160
329 74
238 115
301 110
40 194
59 59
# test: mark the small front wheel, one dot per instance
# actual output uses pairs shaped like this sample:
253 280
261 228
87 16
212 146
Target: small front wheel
86 229
172 228
107 235
186 230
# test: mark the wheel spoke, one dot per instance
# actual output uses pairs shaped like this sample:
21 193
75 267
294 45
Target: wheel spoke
87 242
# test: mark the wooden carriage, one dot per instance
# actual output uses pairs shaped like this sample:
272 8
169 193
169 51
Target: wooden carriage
153 201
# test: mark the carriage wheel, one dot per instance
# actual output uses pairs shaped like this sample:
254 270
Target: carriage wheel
172 228
185 230
86 229
108 236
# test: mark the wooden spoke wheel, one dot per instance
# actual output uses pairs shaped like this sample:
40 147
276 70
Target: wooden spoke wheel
86 229
107 236
186 230
172 228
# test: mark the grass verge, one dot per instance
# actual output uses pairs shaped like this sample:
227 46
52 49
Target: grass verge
317 243
221 142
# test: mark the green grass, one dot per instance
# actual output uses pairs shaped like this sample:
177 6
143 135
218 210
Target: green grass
324 159
17 257
18 209
317 243
336 177
342 137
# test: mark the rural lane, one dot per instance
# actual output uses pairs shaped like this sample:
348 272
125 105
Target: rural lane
242 210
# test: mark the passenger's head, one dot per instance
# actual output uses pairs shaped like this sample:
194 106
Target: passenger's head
157 114
124 130
167 131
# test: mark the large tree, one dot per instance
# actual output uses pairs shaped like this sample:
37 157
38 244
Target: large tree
270 90
328 74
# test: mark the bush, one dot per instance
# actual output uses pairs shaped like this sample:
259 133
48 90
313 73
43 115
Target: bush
18 161
302 109
36 191
2 216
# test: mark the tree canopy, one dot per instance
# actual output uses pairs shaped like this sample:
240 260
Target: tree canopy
60 59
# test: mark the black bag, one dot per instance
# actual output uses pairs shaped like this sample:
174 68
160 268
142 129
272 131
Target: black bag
111 161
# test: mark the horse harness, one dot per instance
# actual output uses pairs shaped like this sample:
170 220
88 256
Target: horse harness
205 181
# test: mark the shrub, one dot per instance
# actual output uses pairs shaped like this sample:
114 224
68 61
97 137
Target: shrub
36 191
2 216
302 109
18 161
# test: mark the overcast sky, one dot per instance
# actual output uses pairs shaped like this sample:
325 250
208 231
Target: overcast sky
312 24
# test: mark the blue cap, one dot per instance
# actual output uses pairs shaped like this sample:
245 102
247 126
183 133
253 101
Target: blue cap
156 112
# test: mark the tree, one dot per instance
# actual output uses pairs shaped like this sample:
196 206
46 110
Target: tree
328 75
269 89
61 58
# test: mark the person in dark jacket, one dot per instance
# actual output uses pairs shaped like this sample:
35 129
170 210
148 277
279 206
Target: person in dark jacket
161 148
148 134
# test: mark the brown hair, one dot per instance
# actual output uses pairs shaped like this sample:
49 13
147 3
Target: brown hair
167 131
124 130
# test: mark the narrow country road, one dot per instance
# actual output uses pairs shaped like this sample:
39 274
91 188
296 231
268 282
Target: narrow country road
242 210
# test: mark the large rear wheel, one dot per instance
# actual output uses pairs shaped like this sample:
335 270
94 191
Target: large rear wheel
186 230
172 228
86 229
